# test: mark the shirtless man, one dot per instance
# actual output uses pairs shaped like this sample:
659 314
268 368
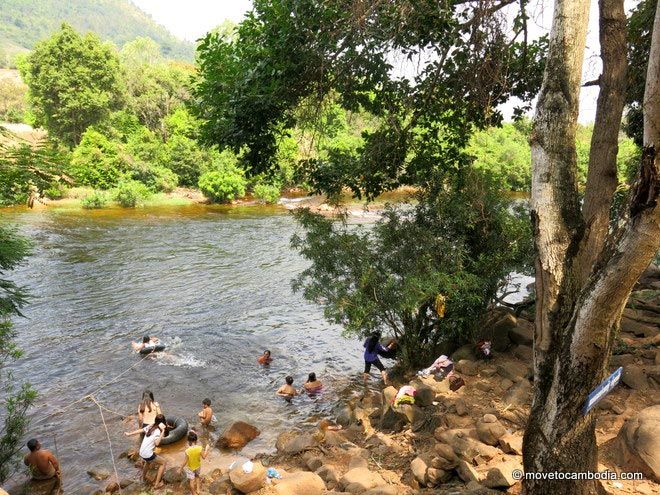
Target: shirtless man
42 463
287 391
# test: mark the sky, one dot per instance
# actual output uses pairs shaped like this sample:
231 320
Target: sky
191 19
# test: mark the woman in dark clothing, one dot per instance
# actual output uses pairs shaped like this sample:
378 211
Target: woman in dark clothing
372 348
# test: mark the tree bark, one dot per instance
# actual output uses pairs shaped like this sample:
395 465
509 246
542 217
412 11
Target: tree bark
583 274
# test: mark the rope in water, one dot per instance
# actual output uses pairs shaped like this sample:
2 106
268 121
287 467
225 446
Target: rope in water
87 396
107 433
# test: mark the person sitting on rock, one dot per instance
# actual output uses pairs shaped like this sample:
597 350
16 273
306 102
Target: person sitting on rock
312 385
265 358
42 463
287 391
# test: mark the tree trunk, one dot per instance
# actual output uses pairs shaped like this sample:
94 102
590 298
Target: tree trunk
584 274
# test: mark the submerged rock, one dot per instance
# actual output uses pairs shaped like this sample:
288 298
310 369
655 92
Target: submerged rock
237 436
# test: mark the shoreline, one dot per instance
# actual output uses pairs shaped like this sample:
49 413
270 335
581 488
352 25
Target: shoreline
467 441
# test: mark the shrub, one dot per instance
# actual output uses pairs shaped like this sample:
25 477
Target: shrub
130 193
266 193
55 191
224 184
97 161
98 199
186 159
155 177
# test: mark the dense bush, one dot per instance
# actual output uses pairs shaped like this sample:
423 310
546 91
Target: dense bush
266 193
97 161
131 193
224 184
98 199
155 177
186 159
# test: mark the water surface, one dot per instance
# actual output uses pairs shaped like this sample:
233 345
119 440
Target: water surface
214 282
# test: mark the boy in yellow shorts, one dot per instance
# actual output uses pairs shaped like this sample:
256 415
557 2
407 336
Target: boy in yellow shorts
193 462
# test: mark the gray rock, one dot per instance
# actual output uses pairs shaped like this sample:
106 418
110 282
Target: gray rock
524 353
464 352
522 333
467 367
490 432
635 377
501 476
466 472
638 443
512 370
500 332
512 443
418 467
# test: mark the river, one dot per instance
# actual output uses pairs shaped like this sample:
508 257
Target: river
213 282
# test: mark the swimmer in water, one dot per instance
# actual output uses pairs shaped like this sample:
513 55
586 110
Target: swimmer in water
312 385
146 343
287 391
265 358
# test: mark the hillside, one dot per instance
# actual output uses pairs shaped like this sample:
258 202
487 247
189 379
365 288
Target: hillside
24 22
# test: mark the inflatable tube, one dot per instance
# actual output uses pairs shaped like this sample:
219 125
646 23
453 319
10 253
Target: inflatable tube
179 431
154 348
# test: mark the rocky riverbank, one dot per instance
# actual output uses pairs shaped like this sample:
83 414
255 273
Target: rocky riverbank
467 441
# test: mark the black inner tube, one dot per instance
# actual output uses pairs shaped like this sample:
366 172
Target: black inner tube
154 348
175 434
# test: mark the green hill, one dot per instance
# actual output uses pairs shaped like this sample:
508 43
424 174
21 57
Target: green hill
25 22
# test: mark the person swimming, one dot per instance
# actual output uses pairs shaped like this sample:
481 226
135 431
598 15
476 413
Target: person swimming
147 343
312 385
287 391
265 358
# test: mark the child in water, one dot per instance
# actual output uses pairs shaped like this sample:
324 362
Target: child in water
192 464
312 385
265 358
287 391
146 343
206 414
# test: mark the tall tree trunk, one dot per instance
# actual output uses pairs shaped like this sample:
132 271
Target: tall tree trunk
584 274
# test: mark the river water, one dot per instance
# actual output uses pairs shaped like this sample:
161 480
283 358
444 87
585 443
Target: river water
213 282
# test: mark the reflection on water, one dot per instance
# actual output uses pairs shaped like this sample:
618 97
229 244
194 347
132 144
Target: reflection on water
211 281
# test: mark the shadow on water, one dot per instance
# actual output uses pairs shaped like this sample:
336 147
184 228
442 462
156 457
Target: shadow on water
214 282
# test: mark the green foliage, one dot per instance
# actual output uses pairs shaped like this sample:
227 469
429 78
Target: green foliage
640 27
25 22
288 51
181 123
17 401
223 184
97 161
26 169
266 193
460 244
12 100
155 88
505 152
96 200
73 83
186 159
131 193
155 177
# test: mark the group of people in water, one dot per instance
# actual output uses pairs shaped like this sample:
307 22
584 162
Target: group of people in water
153 426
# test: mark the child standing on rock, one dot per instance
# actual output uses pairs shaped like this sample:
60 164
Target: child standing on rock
192 464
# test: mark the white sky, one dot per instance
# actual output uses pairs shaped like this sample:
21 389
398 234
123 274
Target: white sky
191 19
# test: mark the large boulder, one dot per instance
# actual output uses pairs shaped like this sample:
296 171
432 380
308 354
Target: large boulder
301 483
465 446
237 435
418 466
638 443
635 377
464 352
467 367
425 396
490 430
359 480
500 332
519 394
293 442
501 476
522 333
512 443
512 370
524 353
248 482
